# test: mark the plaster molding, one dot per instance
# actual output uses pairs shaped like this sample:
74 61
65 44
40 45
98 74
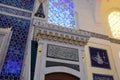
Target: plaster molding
52 32
60 34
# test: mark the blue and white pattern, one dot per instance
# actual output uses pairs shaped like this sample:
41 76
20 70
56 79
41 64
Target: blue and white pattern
24 4
61 13
13 62
15 12
12 65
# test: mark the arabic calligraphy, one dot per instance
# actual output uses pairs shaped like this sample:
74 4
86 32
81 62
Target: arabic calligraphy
99 59
102 77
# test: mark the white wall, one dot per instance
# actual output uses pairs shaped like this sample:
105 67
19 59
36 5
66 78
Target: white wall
86 16
116 50
90 20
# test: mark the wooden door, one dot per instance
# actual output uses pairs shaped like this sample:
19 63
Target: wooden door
60 76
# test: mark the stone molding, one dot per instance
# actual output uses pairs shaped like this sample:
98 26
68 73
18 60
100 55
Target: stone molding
15 12
59 37
53 64
44 30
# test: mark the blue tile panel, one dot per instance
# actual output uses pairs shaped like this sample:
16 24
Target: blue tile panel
15 12
61 12
13 62
24 4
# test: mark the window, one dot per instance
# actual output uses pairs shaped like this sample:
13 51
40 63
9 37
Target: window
61 13
114 22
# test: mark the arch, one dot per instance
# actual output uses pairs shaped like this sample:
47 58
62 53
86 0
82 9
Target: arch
104 19
114 23
63 70
60 76
103 9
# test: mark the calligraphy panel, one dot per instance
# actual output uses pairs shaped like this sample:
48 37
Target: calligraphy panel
62 52
102 77
99 58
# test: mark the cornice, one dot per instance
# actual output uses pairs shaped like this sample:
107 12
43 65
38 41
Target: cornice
52 32
60 37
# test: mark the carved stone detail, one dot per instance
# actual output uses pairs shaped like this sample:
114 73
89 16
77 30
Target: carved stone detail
62 52
59 34
60 37
52 32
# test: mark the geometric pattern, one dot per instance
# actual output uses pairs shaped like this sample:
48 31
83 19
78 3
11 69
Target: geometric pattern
15 11
14 58
24 4
61 12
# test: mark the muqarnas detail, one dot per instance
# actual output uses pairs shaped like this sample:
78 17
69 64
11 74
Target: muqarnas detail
99 58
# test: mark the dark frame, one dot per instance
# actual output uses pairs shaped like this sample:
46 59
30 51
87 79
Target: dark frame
99 58
97 76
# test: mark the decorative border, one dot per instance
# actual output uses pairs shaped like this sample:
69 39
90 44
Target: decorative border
45 32
23 4
14 11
